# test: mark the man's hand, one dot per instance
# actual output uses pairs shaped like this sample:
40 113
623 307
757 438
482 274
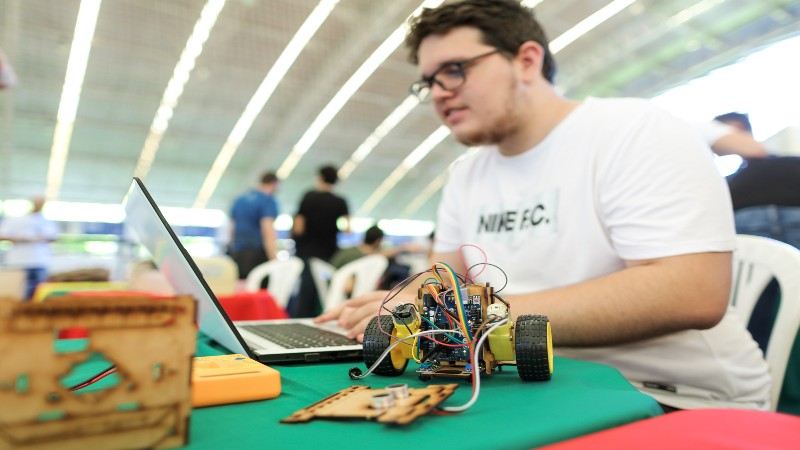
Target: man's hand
354 314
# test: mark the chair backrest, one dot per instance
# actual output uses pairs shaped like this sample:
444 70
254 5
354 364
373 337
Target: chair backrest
321 273
283 278
220 272
366 273
756 261
12 283
55 288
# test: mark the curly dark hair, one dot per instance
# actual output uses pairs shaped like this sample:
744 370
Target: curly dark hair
504 24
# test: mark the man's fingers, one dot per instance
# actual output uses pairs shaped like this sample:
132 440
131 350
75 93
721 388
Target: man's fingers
367 298
332 314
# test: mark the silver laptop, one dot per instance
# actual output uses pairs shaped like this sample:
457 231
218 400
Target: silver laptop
268 341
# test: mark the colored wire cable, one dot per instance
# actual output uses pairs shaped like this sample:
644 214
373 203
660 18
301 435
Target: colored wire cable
476 378
395 344
94 379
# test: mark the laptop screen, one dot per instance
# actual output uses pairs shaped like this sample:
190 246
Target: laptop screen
148 226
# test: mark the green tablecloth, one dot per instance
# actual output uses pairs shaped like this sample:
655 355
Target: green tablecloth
581 398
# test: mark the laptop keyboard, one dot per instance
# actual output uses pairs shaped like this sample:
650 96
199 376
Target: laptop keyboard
298 335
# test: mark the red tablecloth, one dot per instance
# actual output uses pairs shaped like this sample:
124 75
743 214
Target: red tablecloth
697 429
252 306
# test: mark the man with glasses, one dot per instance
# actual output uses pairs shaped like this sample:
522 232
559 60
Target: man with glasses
606 215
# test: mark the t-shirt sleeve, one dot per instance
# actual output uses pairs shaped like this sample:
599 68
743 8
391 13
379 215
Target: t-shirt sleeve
711 131
269 208
660 193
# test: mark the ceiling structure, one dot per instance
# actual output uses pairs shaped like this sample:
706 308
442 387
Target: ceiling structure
643 49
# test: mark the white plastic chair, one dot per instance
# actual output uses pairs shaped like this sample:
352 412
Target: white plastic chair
13 283
220 272
283 278
756 261
366 271
321 272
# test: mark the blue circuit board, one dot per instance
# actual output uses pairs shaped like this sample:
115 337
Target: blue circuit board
435 317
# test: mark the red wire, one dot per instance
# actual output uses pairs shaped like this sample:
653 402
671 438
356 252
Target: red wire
96 378
467 267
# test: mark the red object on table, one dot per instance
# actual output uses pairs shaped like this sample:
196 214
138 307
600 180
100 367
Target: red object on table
252 306
697 429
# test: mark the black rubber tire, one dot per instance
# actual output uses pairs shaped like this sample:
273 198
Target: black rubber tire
533 351
376 342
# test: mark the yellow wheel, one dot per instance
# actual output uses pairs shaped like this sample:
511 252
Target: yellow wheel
376 341
534 348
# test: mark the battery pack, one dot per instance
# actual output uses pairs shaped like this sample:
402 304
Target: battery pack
222 379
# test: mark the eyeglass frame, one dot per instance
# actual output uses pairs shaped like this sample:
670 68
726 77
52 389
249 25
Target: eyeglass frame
422 87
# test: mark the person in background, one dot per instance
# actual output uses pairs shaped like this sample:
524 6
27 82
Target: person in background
371 245
31 235
765 191
315 232
731 134
373 238
607 215
7 76
766 198
253 237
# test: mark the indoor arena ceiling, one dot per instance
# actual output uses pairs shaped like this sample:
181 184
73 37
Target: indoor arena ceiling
200 138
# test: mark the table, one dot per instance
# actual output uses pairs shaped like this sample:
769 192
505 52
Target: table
581 398
697 429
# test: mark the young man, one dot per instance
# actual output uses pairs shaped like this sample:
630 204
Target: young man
315 224
371 244
253 237
315 233
608 216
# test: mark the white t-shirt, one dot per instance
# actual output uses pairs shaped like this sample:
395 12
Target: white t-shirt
618 179
711 131
29 254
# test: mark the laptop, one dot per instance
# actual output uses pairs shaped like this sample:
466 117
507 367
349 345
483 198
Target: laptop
267 341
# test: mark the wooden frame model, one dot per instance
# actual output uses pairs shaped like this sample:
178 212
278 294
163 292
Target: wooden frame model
150 341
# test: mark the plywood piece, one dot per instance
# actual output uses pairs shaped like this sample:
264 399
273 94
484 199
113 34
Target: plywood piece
151 342
356 402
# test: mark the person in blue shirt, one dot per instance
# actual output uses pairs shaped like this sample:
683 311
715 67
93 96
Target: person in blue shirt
253 236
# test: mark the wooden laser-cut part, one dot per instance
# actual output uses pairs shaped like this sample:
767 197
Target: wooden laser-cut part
355 402
152 342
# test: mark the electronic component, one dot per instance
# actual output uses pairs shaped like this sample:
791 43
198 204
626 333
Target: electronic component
445 332
397 404
233 378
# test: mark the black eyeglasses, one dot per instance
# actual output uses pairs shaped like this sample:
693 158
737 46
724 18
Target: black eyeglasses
448 77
